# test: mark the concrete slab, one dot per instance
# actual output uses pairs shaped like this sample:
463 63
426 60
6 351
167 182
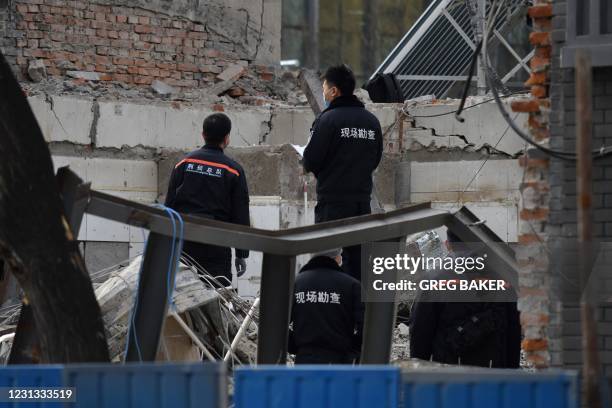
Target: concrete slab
100 255
63 119
501 217
447 180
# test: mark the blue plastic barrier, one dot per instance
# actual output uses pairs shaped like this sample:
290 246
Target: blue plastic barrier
317 387
148 385
31 376
476 388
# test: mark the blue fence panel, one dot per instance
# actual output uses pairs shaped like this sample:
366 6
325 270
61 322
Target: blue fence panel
148 385
316 387
476 388
31 376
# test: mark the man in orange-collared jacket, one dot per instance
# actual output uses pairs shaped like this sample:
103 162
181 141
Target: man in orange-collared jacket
209 184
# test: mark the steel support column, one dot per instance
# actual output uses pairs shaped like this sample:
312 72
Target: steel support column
378 324
151 304
278 275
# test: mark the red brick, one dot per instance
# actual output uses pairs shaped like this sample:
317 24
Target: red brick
22 8
99 59
111 18
537 78
142 29
122 19
211 53
539 91
218 108
123 61
539 38
33 8
143 80
530 105
539 64
133 70
187 67
540 10
529 239
542 24
543 52
144 20
536 214
122 77
534 345
165 65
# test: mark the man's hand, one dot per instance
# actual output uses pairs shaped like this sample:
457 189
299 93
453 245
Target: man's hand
240 266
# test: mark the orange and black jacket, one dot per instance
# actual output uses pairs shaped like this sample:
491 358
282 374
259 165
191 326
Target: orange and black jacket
209 184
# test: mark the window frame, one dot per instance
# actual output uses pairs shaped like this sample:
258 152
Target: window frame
599 45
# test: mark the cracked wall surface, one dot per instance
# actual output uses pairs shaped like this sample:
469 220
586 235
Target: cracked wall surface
185 43
128 148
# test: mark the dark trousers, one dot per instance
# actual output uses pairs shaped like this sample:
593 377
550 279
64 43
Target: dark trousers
322 356
215 259
330 211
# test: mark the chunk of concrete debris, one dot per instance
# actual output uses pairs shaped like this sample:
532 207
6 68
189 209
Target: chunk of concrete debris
403 330
162 88
37 70
236 92
232 73
86 75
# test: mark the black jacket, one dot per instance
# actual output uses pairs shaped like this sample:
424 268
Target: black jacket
345 148
209 184
467 333
327 312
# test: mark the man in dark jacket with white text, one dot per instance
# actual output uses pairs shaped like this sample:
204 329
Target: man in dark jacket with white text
345 148
327 313
209 184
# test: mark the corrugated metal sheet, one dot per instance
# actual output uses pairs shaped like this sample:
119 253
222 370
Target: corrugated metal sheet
317 387
148 385
434 54
489 388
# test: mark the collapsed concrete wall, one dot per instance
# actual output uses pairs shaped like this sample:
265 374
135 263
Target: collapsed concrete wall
185 43
129 148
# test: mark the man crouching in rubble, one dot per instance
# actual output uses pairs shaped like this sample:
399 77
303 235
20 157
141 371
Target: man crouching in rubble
209 184
327 313
345 148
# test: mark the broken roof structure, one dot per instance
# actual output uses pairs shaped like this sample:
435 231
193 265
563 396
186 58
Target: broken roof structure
436 52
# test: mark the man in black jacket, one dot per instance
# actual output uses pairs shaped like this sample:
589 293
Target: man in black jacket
345 148
209 184
327 313
485 334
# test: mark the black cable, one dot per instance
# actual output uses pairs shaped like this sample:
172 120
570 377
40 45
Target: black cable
468 82
566 156
469 107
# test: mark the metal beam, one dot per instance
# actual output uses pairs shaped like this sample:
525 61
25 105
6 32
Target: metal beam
432 77
295 241
378 325
278 275
517 67
151 303
458 28
512 51
500 257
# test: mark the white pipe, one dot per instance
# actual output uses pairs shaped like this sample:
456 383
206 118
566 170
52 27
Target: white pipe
192 335
243 328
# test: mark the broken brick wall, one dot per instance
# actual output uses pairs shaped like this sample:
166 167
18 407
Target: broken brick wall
552 333
535 304
185 43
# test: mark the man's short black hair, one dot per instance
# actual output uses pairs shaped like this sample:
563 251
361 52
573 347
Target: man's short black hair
216 127
342 77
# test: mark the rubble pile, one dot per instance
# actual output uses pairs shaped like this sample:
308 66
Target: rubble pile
237 84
